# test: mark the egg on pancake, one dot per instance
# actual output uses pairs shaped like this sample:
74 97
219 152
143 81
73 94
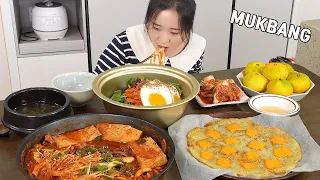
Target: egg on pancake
230 127
244 147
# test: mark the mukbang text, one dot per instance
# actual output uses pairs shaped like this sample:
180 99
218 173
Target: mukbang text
270 26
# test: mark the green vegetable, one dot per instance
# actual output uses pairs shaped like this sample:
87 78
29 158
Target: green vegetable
87 150
98 138
100 167
55 157
131 81
117 96
105 168
177 86
91 150
84 171
115 164
106 157
111 171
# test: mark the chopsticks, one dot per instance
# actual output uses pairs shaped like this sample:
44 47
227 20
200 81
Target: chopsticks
145 59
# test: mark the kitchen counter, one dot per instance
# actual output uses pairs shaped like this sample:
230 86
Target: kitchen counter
309 113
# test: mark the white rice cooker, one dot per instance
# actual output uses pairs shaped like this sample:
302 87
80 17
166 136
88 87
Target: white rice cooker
49 20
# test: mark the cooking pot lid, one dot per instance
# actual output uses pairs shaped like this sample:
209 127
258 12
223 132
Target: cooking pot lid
48 4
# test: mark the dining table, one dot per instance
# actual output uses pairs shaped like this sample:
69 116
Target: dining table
309 113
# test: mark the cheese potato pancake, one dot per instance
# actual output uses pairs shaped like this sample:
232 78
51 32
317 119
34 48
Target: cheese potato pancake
244 147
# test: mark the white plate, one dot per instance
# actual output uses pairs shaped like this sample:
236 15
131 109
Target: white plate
243 99
250 92
286 103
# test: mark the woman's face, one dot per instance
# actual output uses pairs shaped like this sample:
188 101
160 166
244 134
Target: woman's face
165 32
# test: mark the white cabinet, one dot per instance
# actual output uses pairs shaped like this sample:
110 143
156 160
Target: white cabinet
211 22
38 68
5 80
253 45
39 71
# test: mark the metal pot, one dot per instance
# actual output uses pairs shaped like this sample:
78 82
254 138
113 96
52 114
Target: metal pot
116 79
81 121
23 123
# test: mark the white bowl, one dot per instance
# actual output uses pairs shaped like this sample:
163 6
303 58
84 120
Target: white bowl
285 103
250 92
78 85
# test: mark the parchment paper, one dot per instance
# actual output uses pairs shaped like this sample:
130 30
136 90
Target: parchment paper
192 169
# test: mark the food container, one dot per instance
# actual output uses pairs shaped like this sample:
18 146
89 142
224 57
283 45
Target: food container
23 123
114 79
250 92
273 103
78 85
81 121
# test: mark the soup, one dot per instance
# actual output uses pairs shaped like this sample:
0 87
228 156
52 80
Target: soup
273 109
37 108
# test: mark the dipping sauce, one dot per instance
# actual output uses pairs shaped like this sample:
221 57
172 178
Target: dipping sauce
273 109
37 108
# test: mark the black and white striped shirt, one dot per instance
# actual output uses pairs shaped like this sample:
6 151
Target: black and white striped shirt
119 52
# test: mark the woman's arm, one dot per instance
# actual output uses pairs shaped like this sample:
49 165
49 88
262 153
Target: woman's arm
197 68
114 54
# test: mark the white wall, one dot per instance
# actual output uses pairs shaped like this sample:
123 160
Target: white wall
303 10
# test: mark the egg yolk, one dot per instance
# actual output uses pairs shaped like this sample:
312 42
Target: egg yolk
228 150
231 140
157 99
206 155
251 132
234 127
278 140
204 143
223 162
255 145
282 152
176 98
252 155
247 165
272 163
212 133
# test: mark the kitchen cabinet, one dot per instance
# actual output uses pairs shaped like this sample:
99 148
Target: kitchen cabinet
5 80
39 71
36 63
211 22
253 45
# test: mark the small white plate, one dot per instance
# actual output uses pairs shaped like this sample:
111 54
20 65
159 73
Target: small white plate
285 103
243 99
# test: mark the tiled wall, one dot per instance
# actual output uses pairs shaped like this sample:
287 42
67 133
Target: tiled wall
308 54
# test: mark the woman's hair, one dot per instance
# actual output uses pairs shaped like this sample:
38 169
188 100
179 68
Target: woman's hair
186 11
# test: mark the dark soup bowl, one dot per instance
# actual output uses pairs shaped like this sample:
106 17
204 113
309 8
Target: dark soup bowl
76 150
28 109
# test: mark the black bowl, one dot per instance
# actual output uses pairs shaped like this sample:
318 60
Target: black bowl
23 123
82 121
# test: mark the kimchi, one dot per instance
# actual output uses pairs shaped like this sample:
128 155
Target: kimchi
213 91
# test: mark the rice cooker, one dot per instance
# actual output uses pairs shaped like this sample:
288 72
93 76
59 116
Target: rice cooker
49 20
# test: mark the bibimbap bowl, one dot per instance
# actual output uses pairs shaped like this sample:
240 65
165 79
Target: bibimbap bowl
116 79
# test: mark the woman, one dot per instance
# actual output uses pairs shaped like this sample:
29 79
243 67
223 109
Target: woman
168 25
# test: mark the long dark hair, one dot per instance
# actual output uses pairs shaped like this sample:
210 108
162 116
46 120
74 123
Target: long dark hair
186 11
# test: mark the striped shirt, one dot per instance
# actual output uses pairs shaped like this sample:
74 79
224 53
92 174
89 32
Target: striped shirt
119 53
